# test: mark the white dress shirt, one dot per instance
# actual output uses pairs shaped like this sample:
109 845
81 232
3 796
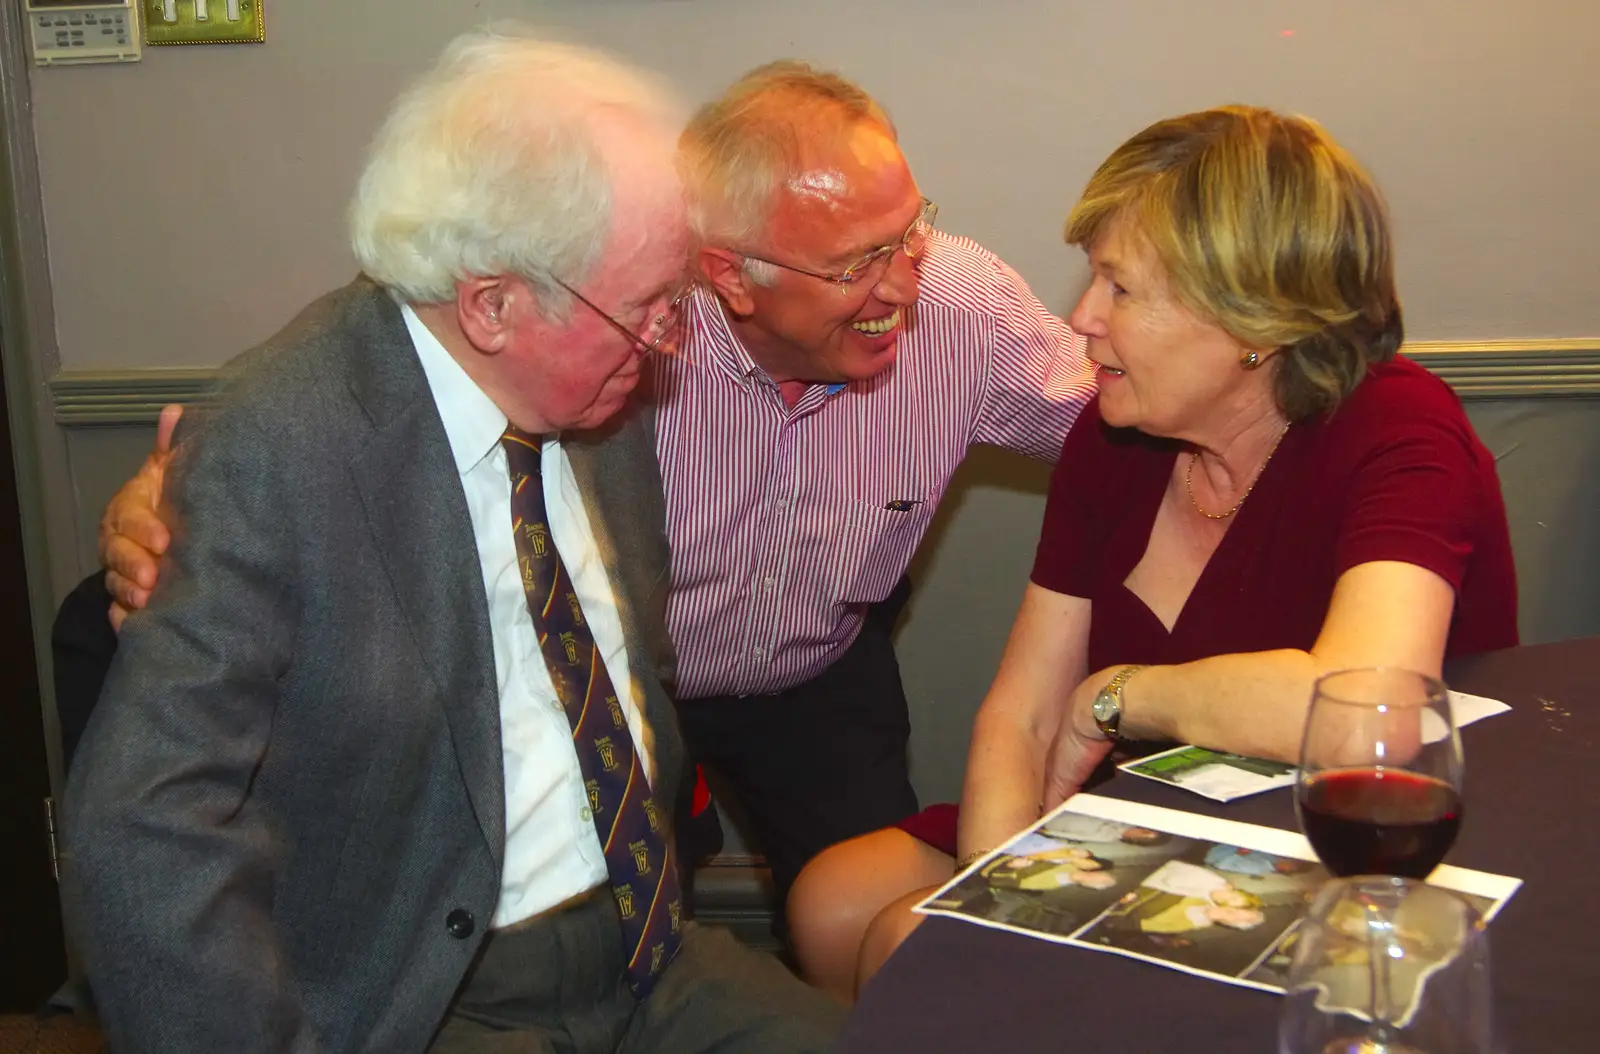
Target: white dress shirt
552 850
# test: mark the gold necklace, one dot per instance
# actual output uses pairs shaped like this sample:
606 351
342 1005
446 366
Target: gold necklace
1188 481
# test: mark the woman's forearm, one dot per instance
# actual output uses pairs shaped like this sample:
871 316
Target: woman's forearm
1005 774
1011 737
1252 703
1382 614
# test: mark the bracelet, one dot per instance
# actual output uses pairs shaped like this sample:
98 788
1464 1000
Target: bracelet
966 861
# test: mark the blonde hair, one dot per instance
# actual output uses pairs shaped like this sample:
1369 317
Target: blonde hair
742 146
488 164
1268 227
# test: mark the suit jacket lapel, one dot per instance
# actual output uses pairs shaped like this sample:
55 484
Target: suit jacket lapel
417 513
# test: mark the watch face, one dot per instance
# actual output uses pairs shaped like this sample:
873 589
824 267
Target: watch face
1103 707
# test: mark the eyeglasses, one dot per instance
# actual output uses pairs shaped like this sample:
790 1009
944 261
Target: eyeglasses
870 267
665 325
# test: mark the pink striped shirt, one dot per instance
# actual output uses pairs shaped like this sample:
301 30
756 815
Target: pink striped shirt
786 522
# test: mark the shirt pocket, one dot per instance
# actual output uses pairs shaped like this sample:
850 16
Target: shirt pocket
876 544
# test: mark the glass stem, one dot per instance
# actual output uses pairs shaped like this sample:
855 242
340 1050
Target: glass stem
1378 1005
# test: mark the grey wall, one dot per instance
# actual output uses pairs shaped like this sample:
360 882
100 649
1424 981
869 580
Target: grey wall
194 200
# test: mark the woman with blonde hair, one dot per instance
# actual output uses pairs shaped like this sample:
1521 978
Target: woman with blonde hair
1262 492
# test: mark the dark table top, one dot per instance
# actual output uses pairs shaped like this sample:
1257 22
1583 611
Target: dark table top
1532 809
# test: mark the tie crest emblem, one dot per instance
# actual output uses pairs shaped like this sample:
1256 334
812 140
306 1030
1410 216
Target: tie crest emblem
641 856
538 539
577 609
675 912
656 954
616 712
652 817
593 789
569 644
624 894
608 753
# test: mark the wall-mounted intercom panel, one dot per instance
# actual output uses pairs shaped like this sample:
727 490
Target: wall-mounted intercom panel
72 31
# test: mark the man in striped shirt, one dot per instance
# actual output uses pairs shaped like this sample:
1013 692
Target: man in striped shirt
839 356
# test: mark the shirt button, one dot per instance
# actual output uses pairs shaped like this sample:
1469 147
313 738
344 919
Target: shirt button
758 653
460 924
557 707
771 582
585 815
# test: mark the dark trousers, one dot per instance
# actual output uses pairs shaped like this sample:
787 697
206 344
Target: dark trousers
820 762
556 985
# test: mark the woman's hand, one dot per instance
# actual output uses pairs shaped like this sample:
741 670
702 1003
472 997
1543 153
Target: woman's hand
1079 745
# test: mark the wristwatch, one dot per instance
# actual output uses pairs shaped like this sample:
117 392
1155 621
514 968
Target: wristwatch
1107 706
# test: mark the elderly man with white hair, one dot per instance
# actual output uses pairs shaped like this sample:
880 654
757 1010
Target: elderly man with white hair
387 763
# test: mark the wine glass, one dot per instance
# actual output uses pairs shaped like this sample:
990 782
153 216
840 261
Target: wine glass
1379 789
1379 793
1436 993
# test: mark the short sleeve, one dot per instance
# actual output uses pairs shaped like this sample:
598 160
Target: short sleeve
1071 540
1417 496
1038 378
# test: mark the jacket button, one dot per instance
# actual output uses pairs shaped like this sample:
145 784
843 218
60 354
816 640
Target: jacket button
460 924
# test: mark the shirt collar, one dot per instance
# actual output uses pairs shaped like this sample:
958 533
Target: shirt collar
472 422
709 338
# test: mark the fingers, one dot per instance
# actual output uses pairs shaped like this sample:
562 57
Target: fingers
165 426
117 613
128 592
139 530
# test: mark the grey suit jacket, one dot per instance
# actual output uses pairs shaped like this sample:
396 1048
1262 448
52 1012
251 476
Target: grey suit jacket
294 775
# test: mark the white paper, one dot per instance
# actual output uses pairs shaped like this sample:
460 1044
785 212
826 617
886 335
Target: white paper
1227 777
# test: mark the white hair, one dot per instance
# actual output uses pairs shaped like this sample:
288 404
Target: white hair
761 272
488 165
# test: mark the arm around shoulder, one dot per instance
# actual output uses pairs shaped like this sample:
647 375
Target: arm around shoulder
1038 378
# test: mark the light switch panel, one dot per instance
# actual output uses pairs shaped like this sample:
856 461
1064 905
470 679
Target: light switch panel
204 22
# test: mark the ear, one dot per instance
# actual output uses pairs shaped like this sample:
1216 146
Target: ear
723 269
482 312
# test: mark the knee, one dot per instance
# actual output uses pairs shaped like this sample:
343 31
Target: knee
828 908
886 932
843 890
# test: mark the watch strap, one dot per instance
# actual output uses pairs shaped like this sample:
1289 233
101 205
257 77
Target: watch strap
1111 727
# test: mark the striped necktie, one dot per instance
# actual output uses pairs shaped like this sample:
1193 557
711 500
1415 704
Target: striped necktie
630 822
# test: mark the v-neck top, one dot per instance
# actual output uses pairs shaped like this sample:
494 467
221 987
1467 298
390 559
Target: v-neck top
1395 472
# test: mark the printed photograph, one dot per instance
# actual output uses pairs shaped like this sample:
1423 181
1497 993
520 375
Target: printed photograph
1061 875
1184 901
1222 909
1214 774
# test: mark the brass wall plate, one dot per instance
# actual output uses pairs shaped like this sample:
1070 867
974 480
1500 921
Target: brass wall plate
217 28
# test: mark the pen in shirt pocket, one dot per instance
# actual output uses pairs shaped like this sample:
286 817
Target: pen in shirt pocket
903 504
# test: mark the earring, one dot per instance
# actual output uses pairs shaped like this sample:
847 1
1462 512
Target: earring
1249 360
494 316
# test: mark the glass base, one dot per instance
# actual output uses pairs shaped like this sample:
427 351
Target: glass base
1368 1046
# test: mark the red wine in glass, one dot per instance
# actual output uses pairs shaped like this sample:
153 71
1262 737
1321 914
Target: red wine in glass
1372 821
